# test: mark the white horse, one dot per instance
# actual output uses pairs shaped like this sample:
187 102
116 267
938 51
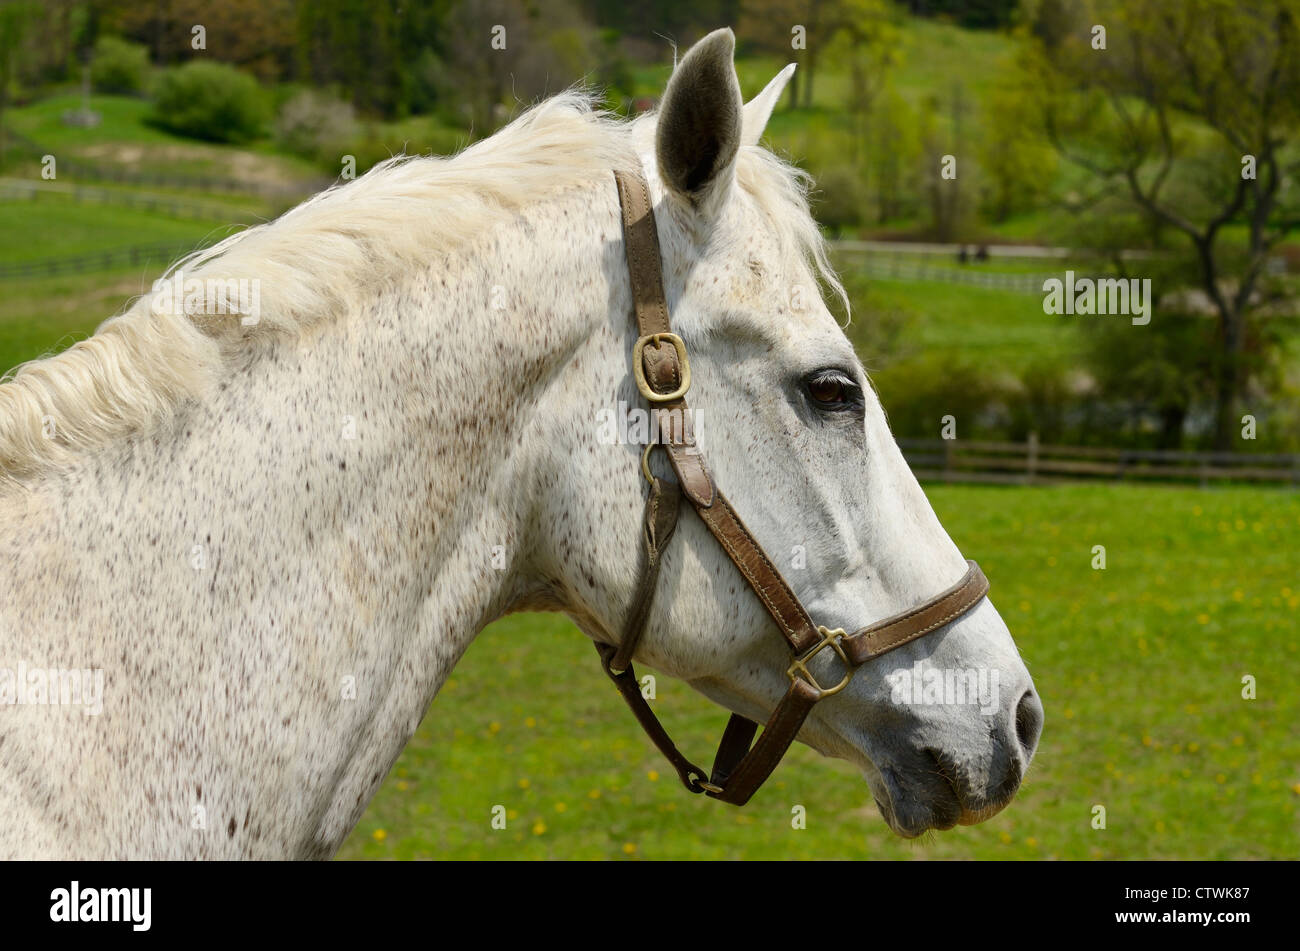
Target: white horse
273 523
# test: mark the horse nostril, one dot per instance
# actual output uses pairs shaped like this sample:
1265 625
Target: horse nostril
1029 722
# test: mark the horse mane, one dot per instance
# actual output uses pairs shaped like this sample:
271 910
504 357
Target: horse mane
328 255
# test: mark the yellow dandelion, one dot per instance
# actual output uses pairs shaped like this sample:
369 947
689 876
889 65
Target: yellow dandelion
539 827
530 722
629 848
380 835
402 787
654 776
561 807
524 784
494 727
594 794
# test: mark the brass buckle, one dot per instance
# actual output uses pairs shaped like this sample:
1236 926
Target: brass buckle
638 367
800 666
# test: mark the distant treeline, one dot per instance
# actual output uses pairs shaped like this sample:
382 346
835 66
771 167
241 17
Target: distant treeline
392 58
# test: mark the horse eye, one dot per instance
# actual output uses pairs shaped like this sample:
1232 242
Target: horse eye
827 390
831 389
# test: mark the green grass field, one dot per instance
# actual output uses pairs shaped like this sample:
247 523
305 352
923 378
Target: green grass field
1139 667
1001 330
56 227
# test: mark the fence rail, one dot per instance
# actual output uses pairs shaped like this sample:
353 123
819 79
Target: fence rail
158 255
897 266
108 172
1030 462
13 189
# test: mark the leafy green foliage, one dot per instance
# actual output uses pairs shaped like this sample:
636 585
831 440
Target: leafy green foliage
119 66
210 101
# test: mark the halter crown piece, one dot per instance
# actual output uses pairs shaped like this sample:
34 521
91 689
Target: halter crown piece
663 375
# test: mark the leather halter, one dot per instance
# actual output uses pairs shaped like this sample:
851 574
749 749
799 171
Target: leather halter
662 372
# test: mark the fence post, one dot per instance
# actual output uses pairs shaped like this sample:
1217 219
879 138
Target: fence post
947 460
1031 458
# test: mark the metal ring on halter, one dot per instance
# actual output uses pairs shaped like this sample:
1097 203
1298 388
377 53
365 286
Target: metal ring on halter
645 461
698 782
799 669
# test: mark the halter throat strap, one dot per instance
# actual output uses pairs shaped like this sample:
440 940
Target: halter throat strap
662 370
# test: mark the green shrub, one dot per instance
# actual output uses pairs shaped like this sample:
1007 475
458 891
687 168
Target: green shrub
840 198
315 124
118 66
918 393
210 101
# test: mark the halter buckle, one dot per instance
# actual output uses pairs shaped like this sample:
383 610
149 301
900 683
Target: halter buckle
638 367
831 639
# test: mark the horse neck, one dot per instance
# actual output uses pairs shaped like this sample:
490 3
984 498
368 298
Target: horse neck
352 507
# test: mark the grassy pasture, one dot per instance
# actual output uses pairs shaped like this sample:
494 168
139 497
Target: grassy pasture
1139 666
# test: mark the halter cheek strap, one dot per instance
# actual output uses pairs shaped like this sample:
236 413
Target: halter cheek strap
662 371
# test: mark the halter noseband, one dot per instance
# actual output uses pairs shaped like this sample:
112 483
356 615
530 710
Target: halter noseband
662 371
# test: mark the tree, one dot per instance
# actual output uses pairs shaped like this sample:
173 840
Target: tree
769 25
16 20
503 54
1188 113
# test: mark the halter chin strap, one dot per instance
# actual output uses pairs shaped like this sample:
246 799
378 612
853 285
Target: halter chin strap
662 370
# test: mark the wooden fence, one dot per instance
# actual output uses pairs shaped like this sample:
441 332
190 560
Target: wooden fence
1030 462
156 256
17 190
84 170
901 267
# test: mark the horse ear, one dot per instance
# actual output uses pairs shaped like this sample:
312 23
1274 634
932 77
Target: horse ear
699 128
759 109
